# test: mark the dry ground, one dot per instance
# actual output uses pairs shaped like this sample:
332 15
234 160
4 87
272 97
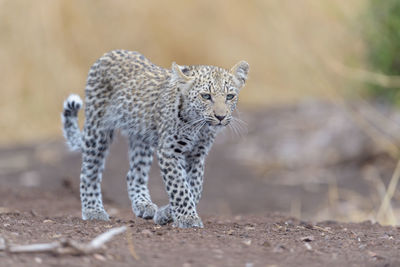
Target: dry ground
264 240
39 201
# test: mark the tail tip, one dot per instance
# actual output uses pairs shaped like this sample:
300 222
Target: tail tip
73 103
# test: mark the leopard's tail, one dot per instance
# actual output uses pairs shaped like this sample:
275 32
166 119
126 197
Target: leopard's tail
69 119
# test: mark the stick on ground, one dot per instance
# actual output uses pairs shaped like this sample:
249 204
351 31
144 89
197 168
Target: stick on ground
65 246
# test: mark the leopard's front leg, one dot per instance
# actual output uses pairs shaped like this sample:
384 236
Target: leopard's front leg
182 202
195 173
194 161
194 177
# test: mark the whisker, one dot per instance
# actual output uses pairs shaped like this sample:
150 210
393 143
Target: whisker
235 128
238 127
201 126
231 130
239 120
190 124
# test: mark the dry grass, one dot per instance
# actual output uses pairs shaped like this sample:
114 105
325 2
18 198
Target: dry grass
47 47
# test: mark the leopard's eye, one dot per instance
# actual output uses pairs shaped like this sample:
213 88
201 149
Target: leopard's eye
206 96
230 96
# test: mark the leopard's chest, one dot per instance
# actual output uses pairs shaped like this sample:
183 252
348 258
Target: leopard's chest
186 141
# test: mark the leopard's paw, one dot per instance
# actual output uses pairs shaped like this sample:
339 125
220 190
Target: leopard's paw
188 221
95 214
163 215
145 210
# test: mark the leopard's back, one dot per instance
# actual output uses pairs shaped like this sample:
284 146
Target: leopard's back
123 90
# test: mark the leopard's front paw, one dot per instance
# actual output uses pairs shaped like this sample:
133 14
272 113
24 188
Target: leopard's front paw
145 210
163 215
188 221
95 214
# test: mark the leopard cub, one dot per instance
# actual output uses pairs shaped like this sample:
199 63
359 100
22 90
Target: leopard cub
175 112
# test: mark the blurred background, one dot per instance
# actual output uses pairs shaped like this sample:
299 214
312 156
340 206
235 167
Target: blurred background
321 132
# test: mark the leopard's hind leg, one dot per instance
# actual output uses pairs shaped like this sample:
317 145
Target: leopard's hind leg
140 158
95 145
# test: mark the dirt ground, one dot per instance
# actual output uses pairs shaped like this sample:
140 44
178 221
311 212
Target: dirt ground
240 240
39 202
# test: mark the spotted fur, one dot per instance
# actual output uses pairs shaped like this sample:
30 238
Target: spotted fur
175 112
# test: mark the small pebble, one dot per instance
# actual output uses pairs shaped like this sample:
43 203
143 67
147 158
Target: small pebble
247 242
307 238
266 244
230 232
99 257
146 232
279 248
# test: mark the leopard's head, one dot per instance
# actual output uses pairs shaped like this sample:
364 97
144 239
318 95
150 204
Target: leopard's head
211 93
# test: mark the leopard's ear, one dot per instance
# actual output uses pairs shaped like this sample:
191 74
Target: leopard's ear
177 71
240 71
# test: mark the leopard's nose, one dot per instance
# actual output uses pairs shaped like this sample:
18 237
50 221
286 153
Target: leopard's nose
220 118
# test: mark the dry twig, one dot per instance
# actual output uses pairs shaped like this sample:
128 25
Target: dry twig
373 176
65 246
131 247
385 206
316 227
388 81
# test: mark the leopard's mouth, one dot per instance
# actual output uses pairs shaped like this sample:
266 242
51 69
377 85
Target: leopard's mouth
218 124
